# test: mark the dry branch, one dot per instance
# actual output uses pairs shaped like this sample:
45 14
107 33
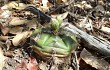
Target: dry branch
91 42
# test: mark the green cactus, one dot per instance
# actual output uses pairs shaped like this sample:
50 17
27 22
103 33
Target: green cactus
47 43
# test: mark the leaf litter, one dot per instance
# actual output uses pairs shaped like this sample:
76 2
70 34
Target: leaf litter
17 26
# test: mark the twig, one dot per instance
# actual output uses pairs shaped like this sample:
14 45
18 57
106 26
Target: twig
89 41
77 63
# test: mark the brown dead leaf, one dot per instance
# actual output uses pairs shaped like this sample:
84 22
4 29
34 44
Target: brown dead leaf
59 1
94 61
20 38
43 66
2 57
64 1
44 7
15 5
54 67
105 29
83 22
58 60
21 66
17 21
16 30
32 65
32 23
5 30
108 23
4 38
8 44
49 4
6 14
83 5
63 16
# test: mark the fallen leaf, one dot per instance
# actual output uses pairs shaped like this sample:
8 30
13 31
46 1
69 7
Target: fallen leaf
49 4
59 1
83 5
88 25
32 24
20 38
32 65
5 30
105 29
2 57
6 14
58 60
83 22
14 5
54 67
63 16
94 61
43 66
17 21
65 0
100 8
21 66
16 30
8 44
4 38
108 23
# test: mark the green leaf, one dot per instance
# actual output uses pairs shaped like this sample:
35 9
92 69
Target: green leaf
59 44
55 24
59 19
49 41
51 50
35 32
43 38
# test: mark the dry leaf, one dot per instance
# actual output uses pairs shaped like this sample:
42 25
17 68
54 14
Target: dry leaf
100 8
17 21
32 23
5 30
2 58
43 66
21 66
108 13
8 44
54 67
63 1
44 2
15 5
16 30
83 5
88 25
32 65
63 16
49 4
6 14
105 29
83 22
94 61
58 60
4 38
59 1
20 38
44 7
108 23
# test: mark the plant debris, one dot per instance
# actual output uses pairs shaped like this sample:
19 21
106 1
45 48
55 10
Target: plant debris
54 34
